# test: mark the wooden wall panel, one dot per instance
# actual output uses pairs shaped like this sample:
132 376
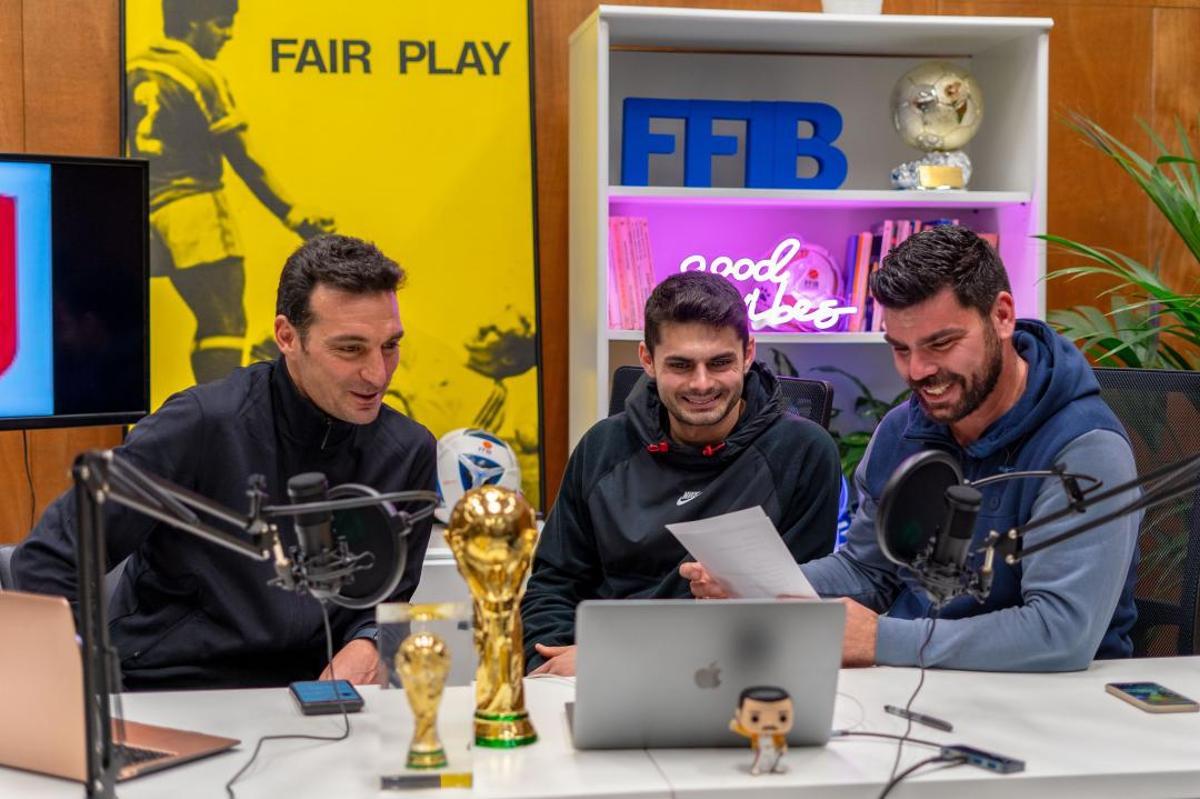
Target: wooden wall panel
12 89
1176 33
72 76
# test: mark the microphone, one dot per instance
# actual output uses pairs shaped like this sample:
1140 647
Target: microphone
933 540
962 508
350 556
925 520
314 531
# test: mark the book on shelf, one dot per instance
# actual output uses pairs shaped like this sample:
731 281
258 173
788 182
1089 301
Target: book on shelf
630 271
865 252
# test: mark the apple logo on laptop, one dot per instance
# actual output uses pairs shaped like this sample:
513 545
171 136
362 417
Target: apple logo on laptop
708 677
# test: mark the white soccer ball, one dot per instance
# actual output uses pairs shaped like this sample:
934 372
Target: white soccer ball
468 458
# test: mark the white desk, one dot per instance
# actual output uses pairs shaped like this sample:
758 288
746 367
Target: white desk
1076 741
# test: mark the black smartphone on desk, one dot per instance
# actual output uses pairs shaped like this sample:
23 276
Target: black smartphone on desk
317 697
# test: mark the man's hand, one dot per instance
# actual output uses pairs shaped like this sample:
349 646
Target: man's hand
358 662
862 625
308 222
560 660
703 584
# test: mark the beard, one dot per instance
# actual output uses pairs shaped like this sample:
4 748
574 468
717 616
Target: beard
974 389
682 414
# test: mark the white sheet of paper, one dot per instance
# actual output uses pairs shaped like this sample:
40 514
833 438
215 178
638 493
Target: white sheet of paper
744 551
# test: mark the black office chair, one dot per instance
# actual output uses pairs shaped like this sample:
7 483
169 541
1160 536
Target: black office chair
810 399
1161 412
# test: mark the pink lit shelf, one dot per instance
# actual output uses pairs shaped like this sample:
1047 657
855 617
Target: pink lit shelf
690 225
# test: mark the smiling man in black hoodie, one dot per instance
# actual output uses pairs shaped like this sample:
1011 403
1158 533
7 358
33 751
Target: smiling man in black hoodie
190 614
704 432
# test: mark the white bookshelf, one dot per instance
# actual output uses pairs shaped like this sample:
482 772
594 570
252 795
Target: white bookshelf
850 62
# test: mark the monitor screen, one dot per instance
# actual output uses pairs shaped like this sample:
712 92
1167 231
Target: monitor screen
74 292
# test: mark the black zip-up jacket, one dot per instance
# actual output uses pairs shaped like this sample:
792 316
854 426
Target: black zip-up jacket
190 614
606 536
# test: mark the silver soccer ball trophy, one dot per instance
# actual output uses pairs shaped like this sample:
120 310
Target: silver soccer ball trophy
936 107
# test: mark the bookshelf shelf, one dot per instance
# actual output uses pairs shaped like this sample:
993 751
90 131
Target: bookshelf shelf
861 198
848 62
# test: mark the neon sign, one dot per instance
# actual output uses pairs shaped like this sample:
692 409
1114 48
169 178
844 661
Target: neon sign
792 288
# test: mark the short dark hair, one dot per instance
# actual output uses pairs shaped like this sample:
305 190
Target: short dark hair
341 262
695 297
762 693
178 14
936 258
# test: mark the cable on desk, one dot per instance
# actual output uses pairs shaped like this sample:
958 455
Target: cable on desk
341 704
950 761
855 733
917 690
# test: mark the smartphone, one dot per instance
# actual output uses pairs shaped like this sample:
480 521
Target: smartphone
316 697
1152 697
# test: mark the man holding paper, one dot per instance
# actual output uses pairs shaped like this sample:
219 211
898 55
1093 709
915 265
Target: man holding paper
703 433
1001 395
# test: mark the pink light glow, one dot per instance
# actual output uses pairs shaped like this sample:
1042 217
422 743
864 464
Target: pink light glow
750 227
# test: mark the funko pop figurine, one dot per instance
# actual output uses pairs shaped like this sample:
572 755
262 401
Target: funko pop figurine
764 715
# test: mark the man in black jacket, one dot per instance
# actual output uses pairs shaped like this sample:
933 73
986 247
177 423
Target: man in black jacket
704 432
190 614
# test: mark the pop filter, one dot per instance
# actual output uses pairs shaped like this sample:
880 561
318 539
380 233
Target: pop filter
375 529
912 507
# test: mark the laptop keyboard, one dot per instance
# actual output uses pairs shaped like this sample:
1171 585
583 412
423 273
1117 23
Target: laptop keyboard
134 755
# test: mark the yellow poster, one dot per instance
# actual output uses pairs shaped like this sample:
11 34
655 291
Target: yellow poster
404 122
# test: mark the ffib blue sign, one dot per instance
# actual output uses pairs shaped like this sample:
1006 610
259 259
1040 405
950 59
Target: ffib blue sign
772 143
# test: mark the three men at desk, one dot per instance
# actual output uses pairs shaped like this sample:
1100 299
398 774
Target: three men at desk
705 432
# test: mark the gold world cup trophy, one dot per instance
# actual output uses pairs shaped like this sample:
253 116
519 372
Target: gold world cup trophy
423 661
492 535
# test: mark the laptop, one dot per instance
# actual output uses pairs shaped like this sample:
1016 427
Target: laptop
667 673
42 702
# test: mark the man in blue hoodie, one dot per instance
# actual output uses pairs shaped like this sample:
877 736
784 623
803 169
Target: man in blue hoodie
1000 394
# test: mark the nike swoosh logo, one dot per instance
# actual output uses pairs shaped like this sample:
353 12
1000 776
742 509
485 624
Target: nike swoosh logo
687 497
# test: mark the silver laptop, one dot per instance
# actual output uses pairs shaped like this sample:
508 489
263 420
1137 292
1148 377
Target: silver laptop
667 673
42 725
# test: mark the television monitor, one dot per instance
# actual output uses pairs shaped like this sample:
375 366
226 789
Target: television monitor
74 291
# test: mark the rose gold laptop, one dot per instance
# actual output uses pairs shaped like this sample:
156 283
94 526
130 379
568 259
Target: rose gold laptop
42 704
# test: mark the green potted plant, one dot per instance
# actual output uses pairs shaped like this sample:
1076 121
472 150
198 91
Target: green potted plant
1147 324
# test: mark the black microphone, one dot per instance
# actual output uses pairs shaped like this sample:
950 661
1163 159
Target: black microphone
962 509
314 530
353 557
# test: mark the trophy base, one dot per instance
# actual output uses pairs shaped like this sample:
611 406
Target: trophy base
935 171
504 730
425 759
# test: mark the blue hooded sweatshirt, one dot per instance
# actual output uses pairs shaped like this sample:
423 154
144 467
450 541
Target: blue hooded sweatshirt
1055 610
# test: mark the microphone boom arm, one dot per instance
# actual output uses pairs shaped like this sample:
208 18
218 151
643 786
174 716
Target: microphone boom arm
101 477
1173 480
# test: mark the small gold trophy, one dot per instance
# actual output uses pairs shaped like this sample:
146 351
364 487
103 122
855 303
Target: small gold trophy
423 661
492 535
